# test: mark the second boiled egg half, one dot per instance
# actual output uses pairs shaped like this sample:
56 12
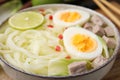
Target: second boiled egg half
81 43
70 17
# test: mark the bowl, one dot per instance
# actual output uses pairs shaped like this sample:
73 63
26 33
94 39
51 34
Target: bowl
94 74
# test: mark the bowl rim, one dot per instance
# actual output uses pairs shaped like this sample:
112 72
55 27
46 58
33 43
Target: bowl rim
76 75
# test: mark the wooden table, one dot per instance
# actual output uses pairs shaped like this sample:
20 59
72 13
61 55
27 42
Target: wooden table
114 73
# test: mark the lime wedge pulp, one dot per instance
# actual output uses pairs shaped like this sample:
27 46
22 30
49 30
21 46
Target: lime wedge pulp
26 20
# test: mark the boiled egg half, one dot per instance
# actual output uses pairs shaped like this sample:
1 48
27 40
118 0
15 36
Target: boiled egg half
81 43
70 17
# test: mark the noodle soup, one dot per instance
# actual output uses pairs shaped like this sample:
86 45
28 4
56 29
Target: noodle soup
65 41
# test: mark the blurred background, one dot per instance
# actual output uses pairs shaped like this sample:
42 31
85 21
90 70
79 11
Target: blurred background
85 3
9 7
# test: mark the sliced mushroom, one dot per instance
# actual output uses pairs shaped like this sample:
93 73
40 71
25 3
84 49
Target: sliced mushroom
111 42
98 30
100 60
77 67
97 20
88 26
109 31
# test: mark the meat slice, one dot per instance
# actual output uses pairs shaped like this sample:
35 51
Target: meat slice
100 60
77 67
98 30
109 31
88 26
97 20
111 43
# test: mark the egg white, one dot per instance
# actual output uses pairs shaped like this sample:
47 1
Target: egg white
84 17
69 33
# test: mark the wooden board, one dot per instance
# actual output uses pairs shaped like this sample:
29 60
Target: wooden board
114 73
3 76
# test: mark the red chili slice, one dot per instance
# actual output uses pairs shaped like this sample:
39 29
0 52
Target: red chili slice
50 26
51 17
60 36
58 48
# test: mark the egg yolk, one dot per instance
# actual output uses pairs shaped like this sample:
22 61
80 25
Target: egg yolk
84 43
70 16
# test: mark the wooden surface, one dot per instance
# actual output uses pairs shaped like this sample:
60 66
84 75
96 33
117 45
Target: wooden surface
114 73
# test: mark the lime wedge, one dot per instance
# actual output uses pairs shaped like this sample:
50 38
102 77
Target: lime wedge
26 20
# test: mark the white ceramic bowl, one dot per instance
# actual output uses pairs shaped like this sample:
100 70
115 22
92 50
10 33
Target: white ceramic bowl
94 74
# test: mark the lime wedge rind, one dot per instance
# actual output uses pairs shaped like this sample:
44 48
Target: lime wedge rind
26 20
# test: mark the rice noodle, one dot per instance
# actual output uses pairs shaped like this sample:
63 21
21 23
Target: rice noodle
12 45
